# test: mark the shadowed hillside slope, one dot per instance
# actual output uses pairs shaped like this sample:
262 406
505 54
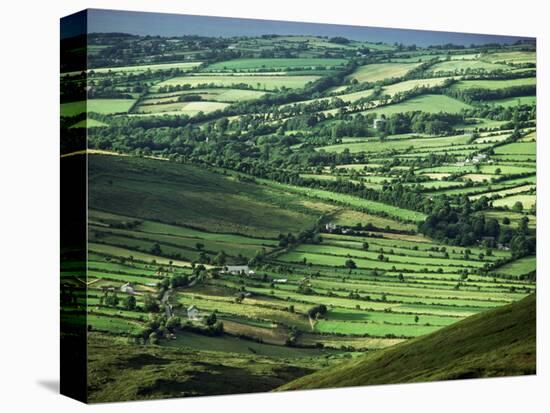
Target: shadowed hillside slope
500 342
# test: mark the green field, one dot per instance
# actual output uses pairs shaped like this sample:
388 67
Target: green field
89 123
255 64
493 84
424 103
297 210
518 268
180 195
372 145
510 102
411 84
143 68
380 71
511 57
518 148
369 206
103 106
468 65
257 82
500 343
509 201
184 108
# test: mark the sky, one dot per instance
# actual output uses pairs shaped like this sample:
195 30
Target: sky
162 24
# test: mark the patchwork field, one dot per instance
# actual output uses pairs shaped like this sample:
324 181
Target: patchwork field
257 82
102 106
424 103
269 64
493 84
380 71
261 208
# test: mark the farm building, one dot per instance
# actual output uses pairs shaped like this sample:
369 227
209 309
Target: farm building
379 123
107 288
128 288
330 227
193 313
280 281
237 270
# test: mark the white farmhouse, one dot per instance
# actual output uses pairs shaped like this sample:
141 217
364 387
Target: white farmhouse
280 281
379 123
330 227
237 270
128 288
193 313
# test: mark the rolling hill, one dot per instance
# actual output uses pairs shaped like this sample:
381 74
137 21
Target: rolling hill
500 342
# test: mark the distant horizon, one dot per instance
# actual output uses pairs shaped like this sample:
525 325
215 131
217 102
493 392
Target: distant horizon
173 25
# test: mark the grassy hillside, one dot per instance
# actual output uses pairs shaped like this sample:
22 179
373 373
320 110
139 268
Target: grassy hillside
150 372
497 343
186 195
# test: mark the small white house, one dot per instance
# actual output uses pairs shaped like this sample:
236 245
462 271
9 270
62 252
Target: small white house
379 123
128 288
193 313
330 227
280 281
237 270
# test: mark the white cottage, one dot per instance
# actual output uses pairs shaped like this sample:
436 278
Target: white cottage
193 313
128 288
237 270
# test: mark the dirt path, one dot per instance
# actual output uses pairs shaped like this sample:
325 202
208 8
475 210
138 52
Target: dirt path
165 299
311 323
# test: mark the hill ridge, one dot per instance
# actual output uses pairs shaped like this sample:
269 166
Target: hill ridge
496 343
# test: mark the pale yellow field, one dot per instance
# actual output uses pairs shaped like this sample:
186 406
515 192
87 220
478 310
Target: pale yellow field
477 177
259 82
411 84
511 57
381 71
437 175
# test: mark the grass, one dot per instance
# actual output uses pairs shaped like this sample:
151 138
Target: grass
143 68
338 314
411 84
505 192
182 108
526 200
193 208
137 372
335 261
102 106
89 123
178 240
109 106
517 148
274 63
350 217
122 252
516 101
258 82
375 145
493 84
518 267
373 329
501 342
236 345
469 64
511 57
112 324
373 255
425 103
353 201
380 71
514 217
190 196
